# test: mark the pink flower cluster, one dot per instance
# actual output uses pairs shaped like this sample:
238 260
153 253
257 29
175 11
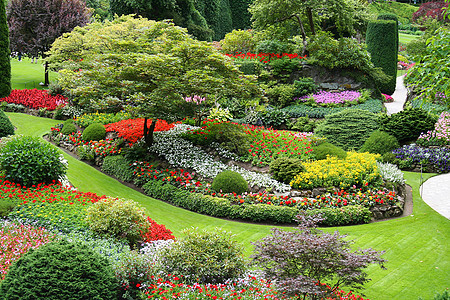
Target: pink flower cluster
196 99
324 97
440 136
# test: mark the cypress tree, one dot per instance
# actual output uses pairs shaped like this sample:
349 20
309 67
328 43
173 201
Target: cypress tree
392 17
5 63
218 16
381 40
240 14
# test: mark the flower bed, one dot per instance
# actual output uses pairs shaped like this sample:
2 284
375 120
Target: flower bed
35 99
440 136
412 157
335 99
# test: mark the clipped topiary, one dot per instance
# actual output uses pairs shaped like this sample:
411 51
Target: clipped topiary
229 182
6 127
68 127
380 142
323 150
284 169
230 136
203 257
348 128
30 160
94 132
60 270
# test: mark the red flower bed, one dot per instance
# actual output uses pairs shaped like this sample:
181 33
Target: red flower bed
132 130
156 232
35 99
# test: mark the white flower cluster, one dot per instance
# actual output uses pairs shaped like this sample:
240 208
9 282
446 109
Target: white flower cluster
390 173
183 154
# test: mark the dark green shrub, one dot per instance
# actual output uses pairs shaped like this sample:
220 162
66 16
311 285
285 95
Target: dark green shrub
393 17
273 118
60 270
204 257
264 213
118 166
5 62
322 150
272 46
58 114
407 124
340 216
240 14
249 67
304 124
230 136
389 157
380 142
284 169
6 127
382 43
229 182
5 208
94 132
30 160
348 128
282 68
281 95
68 127
217 14
305 86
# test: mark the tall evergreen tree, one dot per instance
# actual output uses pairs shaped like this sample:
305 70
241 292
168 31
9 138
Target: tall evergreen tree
218 16
5 64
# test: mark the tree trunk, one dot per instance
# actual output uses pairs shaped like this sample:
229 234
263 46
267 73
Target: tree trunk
311 20
46 81
148 132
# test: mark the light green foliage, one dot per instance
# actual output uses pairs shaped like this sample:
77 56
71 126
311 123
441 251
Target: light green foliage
220 114
30 160
238 41
281 95
282 68
304 124
94 132
229 182
403 11
348 128
204 257
273 117
323 150
68 127
380 142
60 270
272 46
284 169
119 218
5 64
231 137
6 127
5 207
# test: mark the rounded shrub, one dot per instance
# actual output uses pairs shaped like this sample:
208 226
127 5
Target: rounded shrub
5 208
68 127
348 128
229 182
94 132
284 169
323 150
30 160
6 127
203 257
60 270
380 142
119 218
230 136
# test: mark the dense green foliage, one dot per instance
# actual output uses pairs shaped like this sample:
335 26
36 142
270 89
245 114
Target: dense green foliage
342 216
94 132
392 17
230 136
68 127
238 41
5 207
407 124
204 257
30 160
305 86
284 169
5 64
382 43
281 95
217 14
118 166
323 150
403 11
304 124
229 182
240 14
60 270
6 127
348 128
380 142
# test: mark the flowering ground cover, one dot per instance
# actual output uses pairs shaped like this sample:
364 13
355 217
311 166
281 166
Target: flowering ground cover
35 99
431 159
440 136
330 99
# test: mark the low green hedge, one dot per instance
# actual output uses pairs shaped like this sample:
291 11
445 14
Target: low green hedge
339 216
118 166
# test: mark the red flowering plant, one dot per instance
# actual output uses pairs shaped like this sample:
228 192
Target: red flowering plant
35 99
155 232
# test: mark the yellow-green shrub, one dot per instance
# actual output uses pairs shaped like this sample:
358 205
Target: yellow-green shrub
356 169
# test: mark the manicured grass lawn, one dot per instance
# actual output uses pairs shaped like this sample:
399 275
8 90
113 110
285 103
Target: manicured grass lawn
416 247
25 75
406 38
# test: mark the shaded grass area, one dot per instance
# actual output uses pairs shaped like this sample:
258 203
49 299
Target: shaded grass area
27 75
416 247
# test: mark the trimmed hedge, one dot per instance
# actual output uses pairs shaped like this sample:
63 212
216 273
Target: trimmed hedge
6 127
381 40
393 17
339 216
5 63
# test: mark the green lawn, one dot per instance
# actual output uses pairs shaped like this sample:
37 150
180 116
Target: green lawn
406 38
27 75
417 246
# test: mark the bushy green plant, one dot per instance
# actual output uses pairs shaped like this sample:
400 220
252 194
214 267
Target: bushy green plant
60 270
204 257
5 207
249 67
115 217
272 46
30 160
230 136
229 182
348 128
281 95
284 169
85 152
342 216
220 114
6 127
273 118
305 86
238 41
68 127
118 166
5 61
282 68
323 150
304 124
407 124
380 142
94 132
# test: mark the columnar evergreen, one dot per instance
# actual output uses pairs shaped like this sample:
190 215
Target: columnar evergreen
5 64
